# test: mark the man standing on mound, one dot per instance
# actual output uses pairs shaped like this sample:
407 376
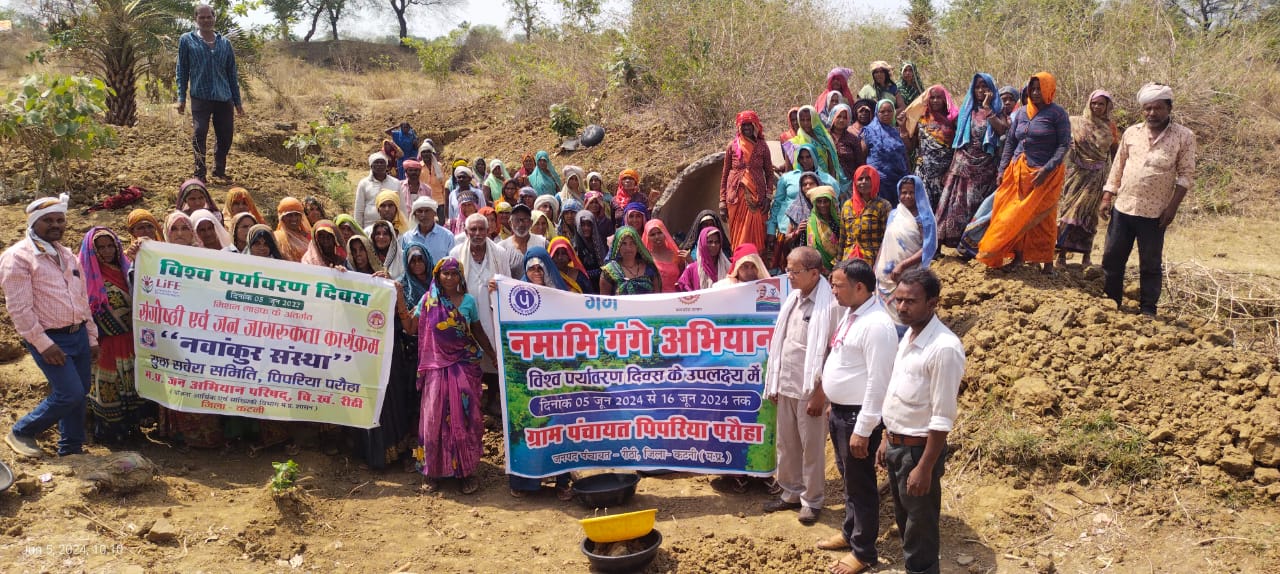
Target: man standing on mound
207 64
46 297
1149 177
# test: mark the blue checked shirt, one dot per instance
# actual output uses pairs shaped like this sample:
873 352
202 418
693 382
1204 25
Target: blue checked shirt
211 72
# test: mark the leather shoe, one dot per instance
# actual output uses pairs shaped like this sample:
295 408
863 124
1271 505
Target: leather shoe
24 446
779 504
809 515
834 542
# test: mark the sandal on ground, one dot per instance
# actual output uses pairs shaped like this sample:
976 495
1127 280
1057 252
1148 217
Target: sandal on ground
518 493
430 486
470 485
847 564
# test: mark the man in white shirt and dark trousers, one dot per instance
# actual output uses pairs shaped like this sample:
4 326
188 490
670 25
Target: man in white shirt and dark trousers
854 379
919 410
796 352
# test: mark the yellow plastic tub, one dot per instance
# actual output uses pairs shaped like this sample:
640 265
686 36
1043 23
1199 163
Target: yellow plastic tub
619 527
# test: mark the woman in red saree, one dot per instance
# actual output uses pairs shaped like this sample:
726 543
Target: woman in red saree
747 182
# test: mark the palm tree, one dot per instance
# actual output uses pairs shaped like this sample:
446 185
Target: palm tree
116 40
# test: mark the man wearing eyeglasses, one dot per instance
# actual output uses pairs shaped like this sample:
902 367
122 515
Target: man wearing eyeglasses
796 356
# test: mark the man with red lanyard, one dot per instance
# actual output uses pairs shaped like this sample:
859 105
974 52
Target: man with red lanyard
59 332
854 379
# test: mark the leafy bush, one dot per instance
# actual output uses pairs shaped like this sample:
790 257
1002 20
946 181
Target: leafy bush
311 147
436 55
564 121
56 119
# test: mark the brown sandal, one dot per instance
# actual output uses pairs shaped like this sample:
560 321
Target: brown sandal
847 564
470 485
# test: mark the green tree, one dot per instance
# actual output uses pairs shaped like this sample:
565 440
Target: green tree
286 13
116 41
436 55
581 14
55 118
527 15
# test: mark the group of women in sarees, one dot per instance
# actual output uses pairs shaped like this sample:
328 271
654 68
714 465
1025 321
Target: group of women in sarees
1007 177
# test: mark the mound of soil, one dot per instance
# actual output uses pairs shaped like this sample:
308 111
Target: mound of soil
1050 349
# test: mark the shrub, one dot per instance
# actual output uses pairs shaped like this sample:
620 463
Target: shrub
56 119
564 121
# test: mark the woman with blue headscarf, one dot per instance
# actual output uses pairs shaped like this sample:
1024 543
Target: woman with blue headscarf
540 269
973 176
885 149
910 239
544 179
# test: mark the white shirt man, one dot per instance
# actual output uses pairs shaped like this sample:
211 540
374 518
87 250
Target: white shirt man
365 210
481 260
521 238
919 410
799 343
854 379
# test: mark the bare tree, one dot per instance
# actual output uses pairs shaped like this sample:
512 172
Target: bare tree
527 15
1210 14
400 7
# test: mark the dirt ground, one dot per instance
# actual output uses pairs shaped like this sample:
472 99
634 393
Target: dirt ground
1177 467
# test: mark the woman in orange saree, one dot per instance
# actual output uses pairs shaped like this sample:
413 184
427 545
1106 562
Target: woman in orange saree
747 182
1024 222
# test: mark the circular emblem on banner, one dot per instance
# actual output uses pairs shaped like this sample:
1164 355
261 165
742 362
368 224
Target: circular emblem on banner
690 299
524 300
377 319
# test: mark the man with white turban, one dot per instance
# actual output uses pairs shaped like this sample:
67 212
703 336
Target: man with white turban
1151 173
365 211
465 180
59 332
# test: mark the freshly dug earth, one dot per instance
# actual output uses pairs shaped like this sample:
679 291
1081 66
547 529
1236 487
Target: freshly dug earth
1193 403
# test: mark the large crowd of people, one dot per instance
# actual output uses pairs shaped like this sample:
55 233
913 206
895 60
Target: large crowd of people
869 189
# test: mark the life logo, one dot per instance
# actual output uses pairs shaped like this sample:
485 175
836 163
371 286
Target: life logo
524 300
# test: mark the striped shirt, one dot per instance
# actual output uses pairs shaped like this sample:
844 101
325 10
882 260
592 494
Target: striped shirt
40 295
211 72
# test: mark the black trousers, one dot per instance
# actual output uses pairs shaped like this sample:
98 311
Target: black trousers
223 117
862 494
1122 231
917 516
